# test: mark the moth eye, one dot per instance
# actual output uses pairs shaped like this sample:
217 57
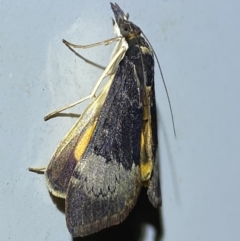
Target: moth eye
125 30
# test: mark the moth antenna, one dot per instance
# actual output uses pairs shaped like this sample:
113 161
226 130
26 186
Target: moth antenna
165 86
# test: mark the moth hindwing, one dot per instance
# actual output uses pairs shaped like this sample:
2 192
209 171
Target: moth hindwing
109 154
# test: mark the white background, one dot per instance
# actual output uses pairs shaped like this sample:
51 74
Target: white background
197 43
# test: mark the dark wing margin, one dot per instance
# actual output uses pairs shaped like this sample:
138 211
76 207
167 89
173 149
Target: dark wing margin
100 195
106 181
154 188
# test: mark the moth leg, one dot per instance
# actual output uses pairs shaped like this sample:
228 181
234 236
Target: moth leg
52 114
105 42
83 58
112 63
39 170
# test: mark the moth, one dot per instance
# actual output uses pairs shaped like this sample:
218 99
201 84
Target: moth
101 165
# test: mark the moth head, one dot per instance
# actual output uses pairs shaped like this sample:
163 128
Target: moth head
127 29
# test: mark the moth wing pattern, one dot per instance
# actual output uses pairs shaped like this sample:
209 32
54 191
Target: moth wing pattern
63 161
106 182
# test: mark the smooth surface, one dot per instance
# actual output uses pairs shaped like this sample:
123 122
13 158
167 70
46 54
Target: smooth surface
197 43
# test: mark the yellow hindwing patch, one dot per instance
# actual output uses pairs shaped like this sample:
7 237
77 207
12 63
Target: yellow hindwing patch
83 143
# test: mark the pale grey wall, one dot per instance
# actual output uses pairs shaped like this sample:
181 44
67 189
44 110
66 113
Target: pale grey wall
197 43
